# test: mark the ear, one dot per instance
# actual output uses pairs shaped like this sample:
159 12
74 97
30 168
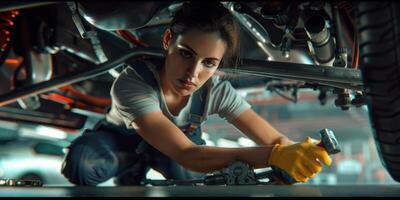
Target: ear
167 38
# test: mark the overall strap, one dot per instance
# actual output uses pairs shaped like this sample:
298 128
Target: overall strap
143 70
198 112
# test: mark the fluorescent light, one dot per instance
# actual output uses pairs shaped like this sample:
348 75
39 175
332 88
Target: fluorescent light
226 143
28 132
51 132
206 138
246 142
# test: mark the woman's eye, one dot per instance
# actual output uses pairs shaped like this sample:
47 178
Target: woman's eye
209 64
185 54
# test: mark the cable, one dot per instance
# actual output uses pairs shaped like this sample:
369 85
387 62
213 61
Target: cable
294 100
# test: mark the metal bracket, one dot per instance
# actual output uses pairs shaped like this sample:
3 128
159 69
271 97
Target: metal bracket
92 34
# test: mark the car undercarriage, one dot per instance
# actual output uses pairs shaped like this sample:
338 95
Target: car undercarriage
59 59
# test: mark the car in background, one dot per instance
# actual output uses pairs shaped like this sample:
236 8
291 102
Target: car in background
31 158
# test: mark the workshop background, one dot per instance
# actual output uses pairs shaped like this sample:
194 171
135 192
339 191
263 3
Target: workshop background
36 151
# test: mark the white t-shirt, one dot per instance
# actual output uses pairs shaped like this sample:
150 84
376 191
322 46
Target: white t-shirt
132 97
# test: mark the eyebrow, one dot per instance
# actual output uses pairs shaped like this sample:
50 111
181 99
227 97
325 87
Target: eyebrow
194 52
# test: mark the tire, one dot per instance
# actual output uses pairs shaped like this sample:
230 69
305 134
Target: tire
31 176
378 25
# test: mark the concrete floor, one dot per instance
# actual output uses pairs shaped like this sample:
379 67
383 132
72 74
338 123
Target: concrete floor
206 191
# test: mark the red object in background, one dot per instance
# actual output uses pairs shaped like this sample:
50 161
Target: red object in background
131 38
97 101
77 99
379 174
72 103
6 23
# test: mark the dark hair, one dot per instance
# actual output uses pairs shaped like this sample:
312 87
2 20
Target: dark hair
209 17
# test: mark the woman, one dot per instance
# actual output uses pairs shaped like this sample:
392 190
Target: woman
153 120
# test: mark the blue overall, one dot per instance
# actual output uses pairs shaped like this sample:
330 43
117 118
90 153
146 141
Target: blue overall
110 151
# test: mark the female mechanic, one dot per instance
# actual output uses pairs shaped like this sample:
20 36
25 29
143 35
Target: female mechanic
158 107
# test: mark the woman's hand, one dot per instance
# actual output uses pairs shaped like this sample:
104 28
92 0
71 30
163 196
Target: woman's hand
284 141
301 160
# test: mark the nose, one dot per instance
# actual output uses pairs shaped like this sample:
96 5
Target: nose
194 69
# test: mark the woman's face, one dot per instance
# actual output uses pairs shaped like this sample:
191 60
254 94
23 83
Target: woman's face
192 58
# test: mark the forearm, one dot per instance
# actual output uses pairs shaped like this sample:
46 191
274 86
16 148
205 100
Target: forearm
208 159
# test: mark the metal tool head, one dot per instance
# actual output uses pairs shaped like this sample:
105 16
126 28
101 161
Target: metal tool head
329 141
239 173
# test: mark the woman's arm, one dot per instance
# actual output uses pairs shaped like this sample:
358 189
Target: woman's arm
165 136
259 130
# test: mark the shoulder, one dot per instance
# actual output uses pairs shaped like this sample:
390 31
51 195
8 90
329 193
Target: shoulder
136 67
131 82
138 70
217 85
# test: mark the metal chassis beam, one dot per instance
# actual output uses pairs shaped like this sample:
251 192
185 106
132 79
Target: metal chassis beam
14 5
324 75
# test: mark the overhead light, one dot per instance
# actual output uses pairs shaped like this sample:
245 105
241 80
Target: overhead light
51 132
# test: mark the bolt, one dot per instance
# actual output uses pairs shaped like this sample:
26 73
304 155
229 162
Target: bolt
237 6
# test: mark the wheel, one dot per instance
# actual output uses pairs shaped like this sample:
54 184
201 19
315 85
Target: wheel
31 176
378 25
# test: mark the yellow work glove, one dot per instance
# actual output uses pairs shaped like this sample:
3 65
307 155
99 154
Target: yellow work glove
300 160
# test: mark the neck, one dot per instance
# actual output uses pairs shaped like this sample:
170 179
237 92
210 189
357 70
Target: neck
168 92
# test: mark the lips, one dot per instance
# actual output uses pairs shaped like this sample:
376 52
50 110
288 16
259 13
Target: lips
187 84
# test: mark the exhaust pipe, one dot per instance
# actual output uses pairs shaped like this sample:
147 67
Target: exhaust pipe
320 37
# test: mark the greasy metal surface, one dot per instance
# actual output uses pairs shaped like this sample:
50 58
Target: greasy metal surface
324 75
222 191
